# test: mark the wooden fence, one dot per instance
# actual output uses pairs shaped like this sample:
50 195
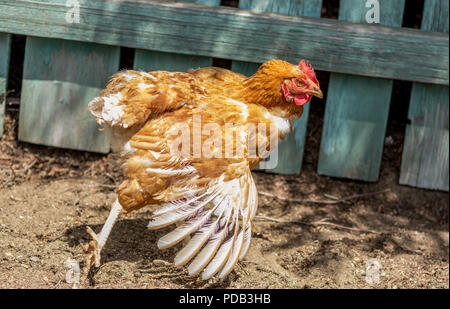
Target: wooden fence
67 64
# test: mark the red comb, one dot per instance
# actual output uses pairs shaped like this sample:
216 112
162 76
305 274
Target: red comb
308 70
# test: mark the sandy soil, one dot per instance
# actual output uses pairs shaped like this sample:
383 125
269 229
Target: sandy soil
48 197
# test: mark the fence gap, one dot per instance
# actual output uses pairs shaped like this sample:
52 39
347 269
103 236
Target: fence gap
315 124
412 18
330 9
221 63
401 94
232 3
395 128
16 60
126 58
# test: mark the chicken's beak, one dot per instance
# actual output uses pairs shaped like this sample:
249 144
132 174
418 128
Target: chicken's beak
316 92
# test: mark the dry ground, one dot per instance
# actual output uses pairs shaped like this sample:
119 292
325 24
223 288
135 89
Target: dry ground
48 197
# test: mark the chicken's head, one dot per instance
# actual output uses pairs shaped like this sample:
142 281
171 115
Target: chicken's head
302 85
282 87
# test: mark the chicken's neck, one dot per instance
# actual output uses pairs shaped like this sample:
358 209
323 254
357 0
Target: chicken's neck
265 90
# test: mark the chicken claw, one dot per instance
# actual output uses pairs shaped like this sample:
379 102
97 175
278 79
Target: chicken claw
95 246
93 249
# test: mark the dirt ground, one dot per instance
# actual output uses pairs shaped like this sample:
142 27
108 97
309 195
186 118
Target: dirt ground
49 196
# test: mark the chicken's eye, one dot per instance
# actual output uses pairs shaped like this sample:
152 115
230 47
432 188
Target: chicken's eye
299 83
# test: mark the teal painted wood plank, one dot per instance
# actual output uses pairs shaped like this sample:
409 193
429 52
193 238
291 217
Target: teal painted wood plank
146 60
60 78
291 149
243 35
425 158
153 60
357 109
435 16
209 2
5 49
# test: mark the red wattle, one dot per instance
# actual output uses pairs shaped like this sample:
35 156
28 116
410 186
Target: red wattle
301 99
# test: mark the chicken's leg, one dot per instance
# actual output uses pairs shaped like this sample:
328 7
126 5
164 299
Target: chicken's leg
98 241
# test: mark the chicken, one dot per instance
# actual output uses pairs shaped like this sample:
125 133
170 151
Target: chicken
189 141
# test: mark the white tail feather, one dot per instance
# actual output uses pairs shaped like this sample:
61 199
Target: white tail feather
186 229
171 217
223 253
221 231
235 252
171 206
219 259
197 241
207 253
247 238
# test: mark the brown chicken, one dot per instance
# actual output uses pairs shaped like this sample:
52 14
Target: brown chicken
189 142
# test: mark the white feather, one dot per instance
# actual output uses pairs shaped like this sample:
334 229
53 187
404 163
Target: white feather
223 253
127 149
247 238
283 125
171 217
171 206
148 75
186 229
219 259
172 172
144 86
208 251
112 112
234 256
128 76
197 241
244 107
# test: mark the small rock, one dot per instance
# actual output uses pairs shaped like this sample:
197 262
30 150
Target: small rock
8 256
35 259
389 140
160 263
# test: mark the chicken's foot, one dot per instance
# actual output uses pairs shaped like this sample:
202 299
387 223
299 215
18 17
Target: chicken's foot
95 246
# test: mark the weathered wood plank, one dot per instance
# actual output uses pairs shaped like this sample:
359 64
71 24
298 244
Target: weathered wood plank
290 150
209 2
236 34
60 78
5 49
357 109
153 60
425 152
425 158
